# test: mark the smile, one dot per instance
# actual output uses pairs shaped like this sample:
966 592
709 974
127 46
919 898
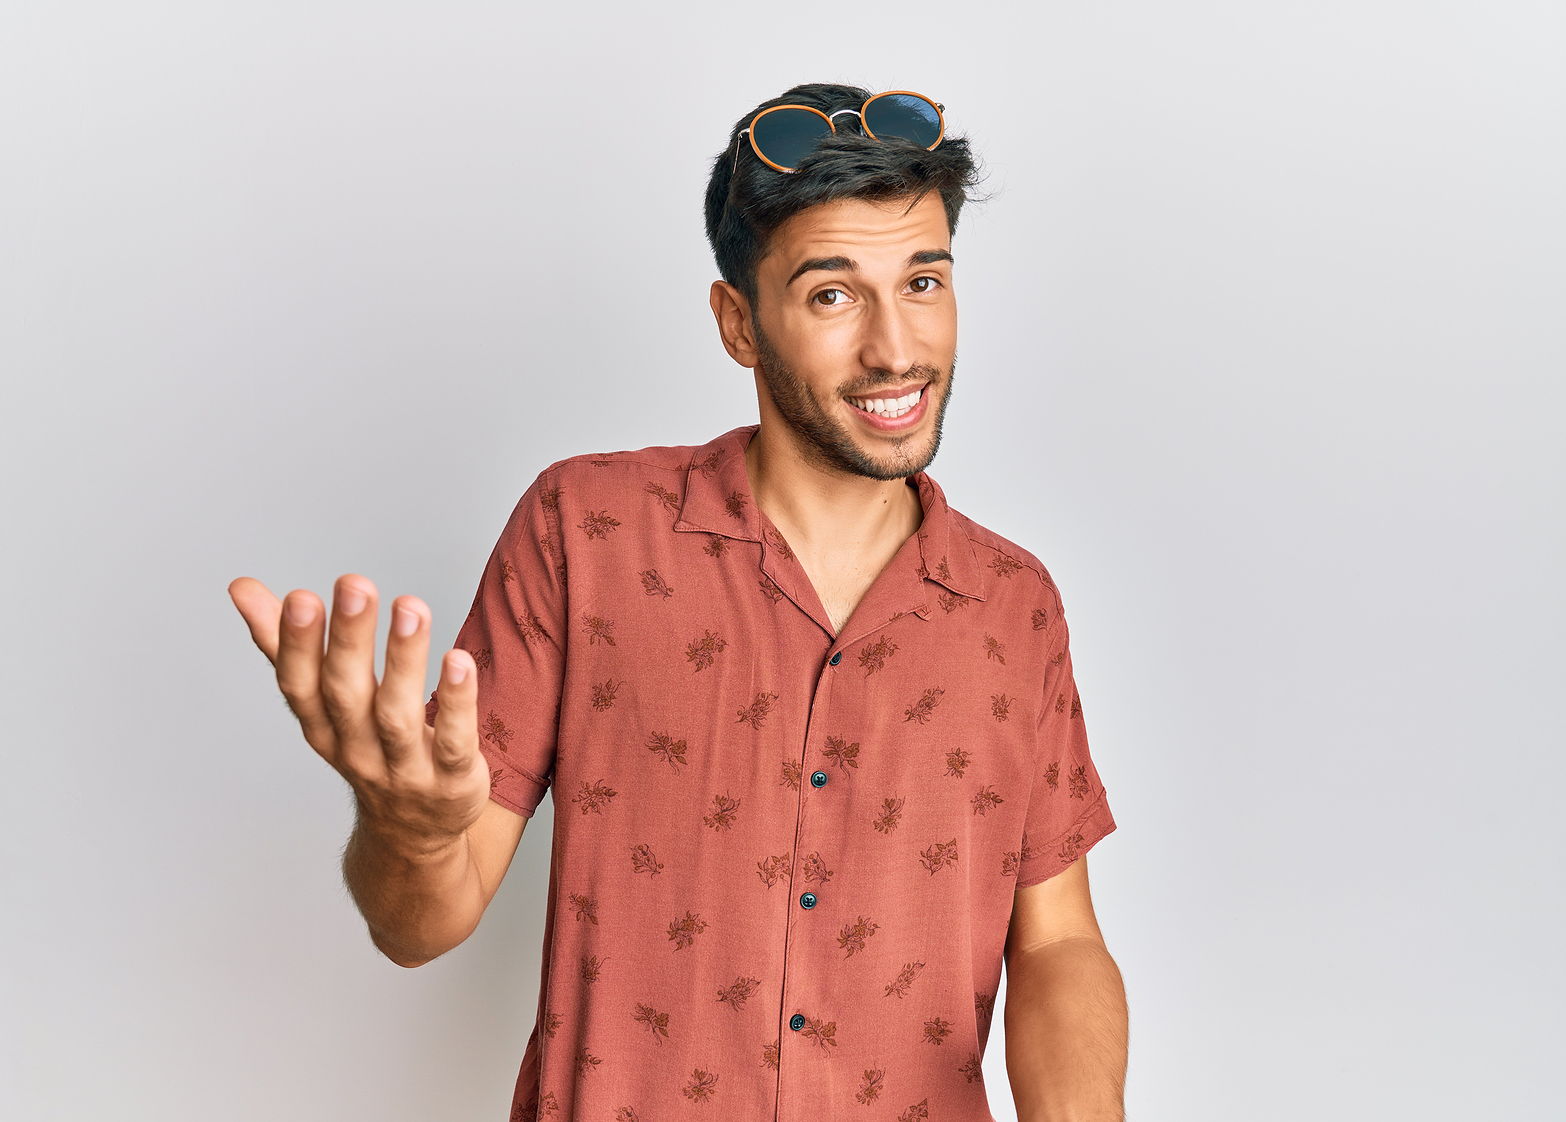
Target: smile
889 408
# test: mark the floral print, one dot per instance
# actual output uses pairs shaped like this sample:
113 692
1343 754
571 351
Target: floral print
784 853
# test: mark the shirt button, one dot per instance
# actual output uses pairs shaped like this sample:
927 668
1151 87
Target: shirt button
808 900
797 1021
818 778
836 658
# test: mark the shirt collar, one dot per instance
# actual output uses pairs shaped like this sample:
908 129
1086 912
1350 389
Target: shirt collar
718 500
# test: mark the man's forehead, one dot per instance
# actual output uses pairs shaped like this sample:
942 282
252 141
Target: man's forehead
866 220
861 231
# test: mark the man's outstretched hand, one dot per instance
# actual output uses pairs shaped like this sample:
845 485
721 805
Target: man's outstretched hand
422 786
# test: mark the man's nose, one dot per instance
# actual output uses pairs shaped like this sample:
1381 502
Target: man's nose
888 342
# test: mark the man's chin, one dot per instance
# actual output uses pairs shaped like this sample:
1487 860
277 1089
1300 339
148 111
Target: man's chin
878 459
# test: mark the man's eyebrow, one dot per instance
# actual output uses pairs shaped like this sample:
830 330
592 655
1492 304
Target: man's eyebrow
849 265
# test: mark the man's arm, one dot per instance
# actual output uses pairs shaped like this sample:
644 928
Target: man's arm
1065 1016
420 905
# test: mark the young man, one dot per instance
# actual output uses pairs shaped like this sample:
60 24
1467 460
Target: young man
817 752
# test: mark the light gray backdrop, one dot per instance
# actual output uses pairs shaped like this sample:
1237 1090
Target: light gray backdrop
1260 351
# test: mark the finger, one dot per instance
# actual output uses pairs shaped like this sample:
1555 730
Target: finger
348 675
261 611
399 701
298 663
456 717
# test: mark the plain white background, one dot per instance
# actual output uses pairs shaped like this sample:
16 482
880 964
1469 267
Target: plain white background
1261 347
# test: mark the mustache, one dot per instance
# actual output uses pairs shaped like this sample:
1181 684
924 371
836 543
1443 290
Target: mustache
921 373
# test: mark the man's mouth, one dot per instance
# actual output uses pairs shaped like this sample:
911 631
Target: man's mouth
889 407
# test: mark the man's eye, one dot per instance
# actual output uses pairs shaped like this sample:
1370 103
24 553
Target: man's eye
834 303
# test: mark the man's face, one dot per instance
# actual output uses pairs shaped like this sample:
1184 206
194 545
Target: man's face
871 316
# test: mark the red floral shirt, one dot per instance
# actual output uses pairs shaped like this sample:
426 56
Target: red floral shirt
783 858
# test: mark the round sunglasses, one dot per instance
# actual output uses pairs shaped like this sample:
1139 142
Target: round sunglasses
782 135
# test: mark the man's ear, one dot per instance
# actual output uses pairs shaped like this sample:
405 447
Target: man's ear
732 311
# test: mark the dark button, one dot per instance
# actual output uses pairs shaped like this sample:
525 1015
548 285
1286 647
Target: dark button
836 658
797 1021
818 778
808 900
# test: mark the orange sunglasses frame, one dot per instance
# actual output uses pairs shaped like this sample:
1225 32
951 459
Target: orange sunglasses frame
940 113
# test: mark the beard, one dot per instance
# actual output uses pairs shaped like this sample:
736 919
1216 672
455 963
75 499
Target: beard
828 443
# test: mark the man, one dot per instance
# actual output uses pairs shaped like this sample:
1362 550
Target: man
816 748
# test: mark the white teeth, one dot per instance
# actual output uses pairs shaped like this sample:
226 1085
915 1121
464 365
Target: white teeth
885 408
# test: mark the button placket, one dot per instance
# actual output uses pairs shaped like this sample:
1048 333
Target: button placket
788 1073
819 779
800 986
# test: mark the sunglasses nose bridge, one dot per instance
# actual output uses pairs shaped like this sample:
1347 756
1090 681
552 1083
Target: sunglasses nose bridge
858 116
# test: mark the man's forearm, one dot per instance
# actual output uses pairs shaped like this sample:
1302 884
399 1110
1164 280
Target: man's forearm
418 902
1066 1032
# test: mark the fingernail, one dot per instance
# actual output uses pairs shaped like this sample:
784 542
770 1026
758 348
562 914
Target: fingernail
352 601
406 621
300 611
457 670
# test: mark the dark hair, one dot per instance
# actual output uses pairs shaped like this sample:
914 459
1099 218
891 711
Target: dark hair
744 208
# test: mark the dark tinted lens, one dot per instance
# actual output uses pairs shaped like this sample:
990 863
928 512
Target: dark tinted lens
786 135
903 115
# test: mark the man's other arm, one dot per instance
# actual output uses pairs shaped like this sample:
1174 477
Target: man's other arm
1066 1020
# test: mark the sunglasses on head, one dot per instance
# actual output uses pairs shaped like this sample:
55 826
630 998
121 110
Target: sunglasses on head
782 135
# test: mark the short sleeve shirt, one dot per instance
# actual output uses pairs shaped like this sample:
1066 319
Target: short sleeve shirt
784 856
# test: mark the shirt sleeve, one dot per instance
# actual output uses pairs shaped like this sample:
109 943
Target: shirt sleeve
1068 810
515 632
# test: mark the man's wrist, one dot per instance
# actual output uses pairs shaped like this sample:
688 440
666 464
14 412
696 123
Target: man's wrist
404 843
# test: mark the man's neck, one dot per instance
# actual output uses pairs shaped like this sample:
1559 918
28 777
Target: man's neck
831 516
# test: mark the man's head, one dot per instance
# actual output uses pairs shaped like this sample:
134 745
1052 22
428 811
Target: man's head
837 282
